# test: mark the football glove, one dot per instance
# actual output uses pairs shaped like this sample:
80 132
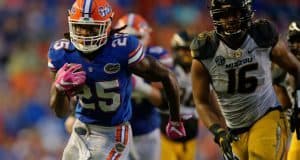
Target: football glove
175 130
224 139
69 77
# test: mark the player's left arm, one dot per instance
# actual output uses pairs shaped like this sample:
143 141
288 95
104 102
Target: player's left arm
289 62
281 56
150 69
59 101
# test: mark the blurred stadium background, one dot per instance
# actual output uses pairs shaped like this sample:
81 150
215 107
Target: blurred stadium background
28 129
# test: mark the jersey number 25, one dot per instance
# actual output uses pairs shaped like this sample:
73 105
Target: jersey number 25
105 95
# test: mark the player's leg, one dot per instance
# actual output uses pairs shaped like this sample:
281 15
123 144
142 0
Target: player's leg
188 150
240 147
76 147
294 150
117 145
69 123
97 142
148 145
169 149
133 155
268 137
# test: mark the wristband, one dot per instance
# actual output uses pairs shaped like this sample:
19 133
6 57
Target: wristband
217 131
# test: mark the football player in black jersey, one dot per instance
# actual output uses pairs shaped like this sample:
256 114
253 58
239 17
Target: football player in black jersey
183 148
294 46
235 58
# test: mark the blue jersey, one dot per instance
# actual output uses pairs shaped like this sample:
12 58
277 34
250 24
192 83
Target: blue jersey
107 91
145 117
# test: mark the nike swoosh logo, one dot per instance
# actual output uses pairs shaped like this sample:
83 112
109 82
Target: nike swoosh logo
173 129
251 50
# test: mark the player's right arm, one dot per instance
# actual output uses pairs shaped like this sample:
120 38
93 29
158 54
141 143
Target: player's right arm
64 78
203 47
59 101
205 103
207 112
201 94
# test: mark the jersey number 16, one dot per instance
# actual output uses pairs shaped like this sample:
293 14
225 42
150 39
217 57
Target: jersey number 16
237 80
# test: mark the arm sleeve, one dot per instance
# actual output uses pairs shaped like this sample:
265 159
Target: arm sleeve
135 50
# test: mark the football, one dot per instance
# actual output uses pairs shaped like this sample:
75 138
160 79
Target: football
78 88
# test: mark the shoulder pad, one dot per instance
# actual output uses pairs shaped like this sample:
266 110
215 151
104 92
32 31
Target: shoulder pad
63 44
204 45
128 45
264 33
57 52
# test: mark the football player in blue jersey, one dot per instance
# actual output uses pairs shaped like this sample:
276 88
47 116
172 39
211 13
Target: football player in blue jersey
235 58
145 120
96 65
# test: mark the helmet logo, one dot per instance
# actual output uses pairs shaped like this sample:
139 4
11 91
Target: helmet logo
105 10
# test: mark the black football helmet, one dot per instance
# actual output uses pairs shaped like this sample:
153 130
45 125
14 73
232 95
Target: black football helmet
231 17
294 38
180 44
